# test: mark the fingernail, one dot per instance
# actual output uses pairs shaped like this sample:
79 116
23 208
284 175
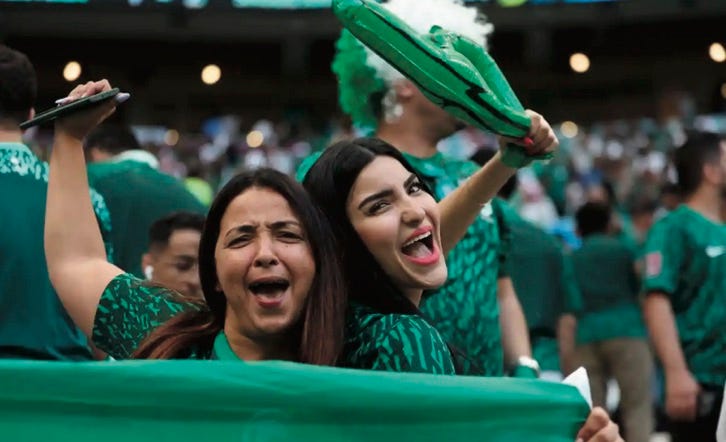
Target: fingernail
528 142
63 100
580 440
122 96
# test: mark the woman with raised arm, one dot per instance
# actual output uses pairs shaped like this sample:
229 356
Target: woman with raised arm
271 290
390 229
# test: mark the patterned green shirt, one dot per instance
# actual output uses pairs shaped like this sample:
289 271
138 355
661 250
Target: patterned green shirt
465 309
401 343
33 324
686 259
129 310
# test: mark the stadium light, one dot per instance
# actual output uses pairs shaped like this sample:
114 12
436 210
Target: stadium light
72 71
717 52
579 62
569 129
211 74
255 139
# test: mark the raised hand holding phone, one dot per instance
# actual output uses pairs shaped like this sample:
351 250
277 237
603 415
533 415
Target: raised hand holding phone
78 124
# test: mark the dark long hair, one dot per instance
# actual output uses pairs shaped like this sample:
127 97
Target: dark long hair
320 331
329 182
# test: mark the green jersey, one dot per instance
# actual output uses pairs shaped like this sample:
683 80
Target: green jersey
137 195
686 259
605 273
536 263
129 310
465 310
33 322
391 342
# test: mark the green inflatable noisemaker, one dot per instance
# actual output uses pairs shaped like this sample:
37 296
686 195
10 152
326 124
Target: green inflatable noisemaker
451 70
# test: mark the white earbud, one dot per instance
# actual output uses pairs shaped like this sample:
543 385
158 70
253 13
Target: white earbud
149 272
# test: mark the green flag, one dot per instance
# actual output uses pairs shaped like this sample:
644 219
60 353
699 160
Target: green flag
206 401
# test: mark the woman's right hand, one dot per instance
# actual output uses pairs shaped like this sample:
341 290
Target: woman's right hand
79 125
599 428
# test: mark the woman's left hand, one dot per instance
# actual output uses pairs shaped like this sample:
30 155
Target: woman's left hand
540 143
541 138
599 428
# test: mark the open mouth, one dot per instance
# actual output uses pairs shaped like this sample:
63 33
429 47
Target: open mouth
420 246
269 287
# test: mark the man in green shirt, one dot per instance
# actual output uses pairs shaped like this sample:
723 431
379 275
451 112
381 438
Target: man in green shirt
611 340
137 194
477 309
33 322
173 256
685 284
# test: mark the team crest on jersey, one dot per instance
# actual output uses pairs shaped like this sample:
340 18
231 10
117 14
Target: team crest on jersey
653 263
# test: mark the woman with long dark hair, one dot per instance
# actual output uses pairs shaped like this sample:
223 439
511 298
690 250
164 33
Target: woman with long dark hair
271 289
389 228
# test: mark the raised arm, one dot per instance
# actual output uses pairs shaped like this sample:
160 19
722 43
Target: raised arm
74 248
461 207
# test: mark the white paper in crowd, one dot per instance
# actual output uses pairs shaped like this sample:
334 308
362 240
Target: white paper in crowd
579 380
721 428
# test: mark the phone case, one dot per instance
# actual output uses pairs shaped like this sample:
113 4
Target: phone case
70 108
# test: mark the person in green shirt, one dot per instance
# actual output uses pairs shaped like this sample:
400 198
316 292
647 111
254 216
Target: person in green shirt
368 190
685 287
136 192
393 237
172 259
542 279
489 326
611 340
33 322
271 289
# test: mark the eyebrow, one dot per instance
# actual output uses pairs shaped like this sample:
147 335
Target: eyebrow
250 228
386 192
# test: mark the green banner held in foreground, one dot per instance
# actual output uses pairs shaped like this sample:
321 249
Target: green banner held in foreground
206 401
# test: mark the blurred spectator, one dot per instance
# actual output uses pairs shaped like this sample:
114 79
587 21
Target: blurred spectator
34 324
172 258
136 193
610 334
685 284
197 185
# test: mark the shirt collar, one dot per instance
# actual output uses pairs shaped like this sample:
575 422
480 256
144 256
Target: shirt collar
222 350
137 155
16 147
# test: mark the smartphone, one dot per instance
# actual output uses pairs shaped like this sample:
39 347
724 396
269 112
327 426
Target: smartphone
70 108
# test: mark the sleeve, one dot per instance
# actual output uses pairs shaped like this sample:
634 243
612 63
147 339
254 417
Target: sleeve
572 298
665 253
103 216
129 310
505 237
412 345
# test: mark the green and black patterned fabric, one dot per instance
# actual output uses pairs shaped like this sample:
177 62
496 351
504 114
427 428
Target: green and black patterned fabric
465 310
392 342
129 310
